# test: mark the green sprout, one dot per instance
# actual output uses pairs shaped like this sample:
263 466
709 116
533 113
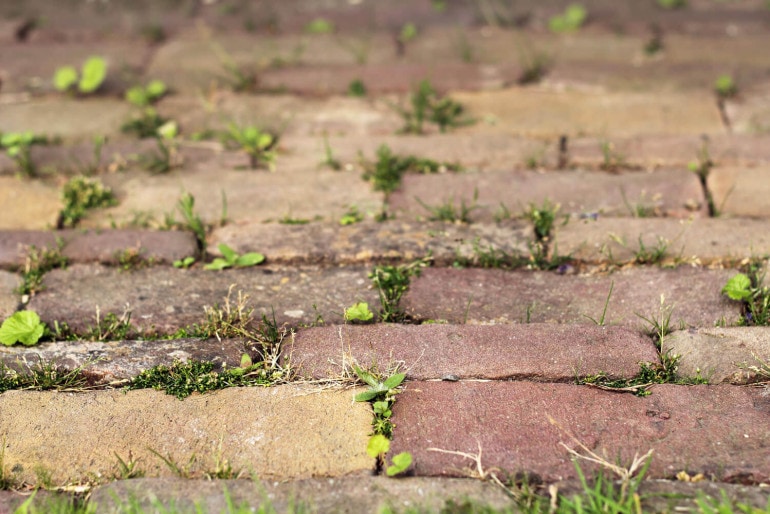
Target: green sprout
90 79
573 17
258 145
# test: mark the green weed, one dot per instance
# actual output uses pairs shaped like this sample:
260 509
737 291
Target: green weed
260 146
543 218
145 123
111 327
351 216
388 171
17 146
167 156
489 257
127 469
448 212
90 79
358 312
612 160
43 376
725 87
37 263
131 259
748 289
329 160
391 283
81 194
22 327
184 263
230 259
702 168
573 17
357 88
646 254
143 96
601 319
428 106
672 4
192 221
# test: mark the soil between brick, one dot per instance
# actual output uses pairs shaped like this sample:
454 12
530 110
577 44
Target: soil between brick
716 430
163 299
553 353
498 296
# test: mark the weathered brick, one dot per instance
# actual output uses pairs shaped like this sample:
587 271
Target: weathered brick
672 193
366 242
722 354
716 430
9 300
741 191
703 240
497 296
68 118
164 299
153 246
28 204
84 432
554 353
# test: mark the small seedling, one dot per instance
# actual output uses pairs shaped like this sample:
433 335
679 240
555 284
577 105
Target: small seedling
131 259
192 221
543 218
320 26
573 17
357 88
391 283
534 65
81 194
111 327
611 160
448 212
748 289
17 147
672 4
329 160
660 324
358 312
184 263
145 124
258 145
386 174
702 168
231 259
91 78
428 106
601 319
22 327
37 263
143 96
725 87
167 156
129 468
378 446
351 216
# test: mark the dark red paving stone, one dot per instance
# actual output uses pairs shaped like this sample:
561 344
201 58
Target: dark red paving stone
105 362
153 246
498 296
722 355
331 244
741 191
164 299
703 240
720 431
97 246
553 353
669 191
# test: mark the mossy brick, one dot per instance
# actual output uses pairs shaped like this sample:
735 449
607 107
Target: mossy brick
536 351
86 432
499 296
719 431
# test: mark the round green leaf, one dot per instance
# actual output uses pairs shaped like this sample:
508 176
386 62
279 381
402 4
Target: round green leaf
65 77
738 287
94 73
22 327
400 463
155 89
378 444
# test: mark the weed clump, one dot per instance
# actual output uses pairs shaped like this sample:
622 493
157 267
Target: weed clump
748 289
389 169
391 283
428 106
37 263
81 194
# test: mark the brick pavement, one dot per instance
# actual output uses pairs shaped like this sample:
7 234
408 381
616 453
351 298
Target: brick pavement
497 327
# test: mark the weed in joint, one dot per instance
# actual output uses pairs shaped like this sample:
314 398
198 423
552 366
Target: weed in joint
81 194
37 263
391 283
748 288
448 212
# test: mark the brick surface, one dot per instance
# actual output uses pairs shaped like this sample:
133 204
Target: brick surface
15 245
105 362
554 353
703 240
716 430
68 118
544 112
295 190
721 354
343 495
9 300
28 204
367 242
164 299
84 432
497 296
749 113
670 192
107 247
741 191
